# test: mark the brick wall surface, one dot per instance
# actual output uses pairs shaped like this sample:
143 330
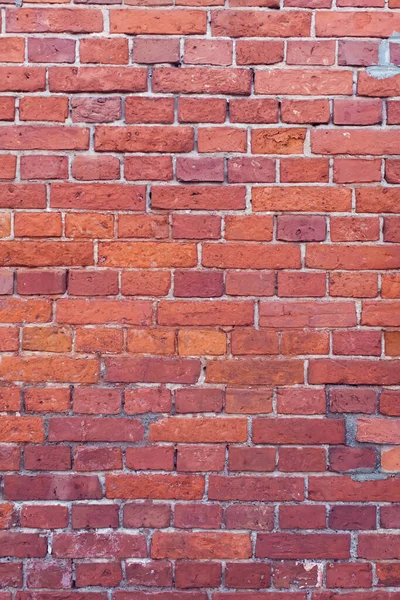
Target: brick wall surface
200 371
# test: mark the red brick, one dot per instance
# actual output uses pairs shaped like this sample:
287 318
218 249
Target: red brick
352 24
294 170
247 575
207 313
365 372
44 167
198 400
254 52
95 110
278 141
314 545
51 487
207 430
10 458
158 22
200 458
392 170
360 258
297 431
200 545
252 170
103 574
200 169
93 283
143 167
201 110
302 517
310 53
38 225
200 80
99 545
145 400
110 51
256 256
354 575
11 574
359 400
235 23
249 341
37 108
222 139
306 314
42 458
97 79
304 82
354 285
357 112
89 168
301 401
89 225
288 573
367 343
94 516
354 229
51 50
47 516
21 79
93 459
305 111
37 137
143 139
191 574
253 111
156 50
147 514
208 52
150 459
387 573
157 574
142 283
352 517
10 399
247 516
54 575
149 110
293 460
54 20
99 339
188 516
300 199
152 370
94 429
193 227
7 167
361 141
251 459
205 284
351 459
7 108
357 53
92 311
304 342
164 486
250 283
293 284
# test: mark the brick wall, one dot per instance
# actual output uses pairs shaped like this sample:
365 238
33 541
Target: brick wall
200 373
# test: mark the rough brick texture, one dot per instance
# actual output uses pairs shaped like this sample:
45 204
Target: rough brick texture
200 311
